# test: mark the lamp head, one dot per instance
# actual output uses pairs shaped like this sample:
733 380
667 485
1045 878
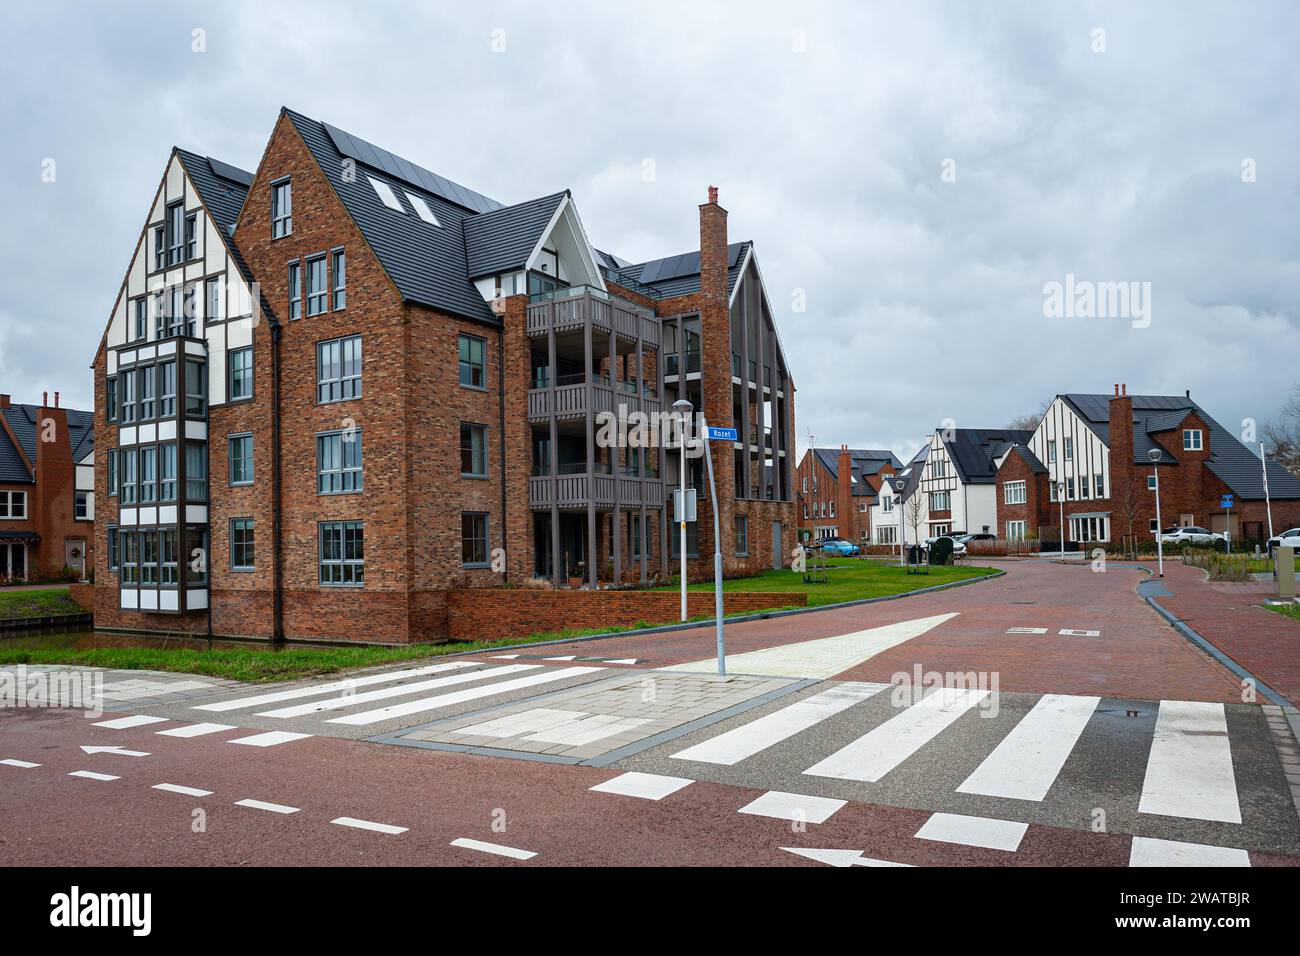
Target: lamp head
682 406
1153 454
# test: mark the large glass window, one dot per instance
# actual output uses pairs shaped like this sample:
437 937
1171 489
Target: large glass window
473 361
159 249
130 465
241 459
340 280
742 534
148 475
128 380
13 504
317 292
196 393
146 388
338 369
112 472
167 472
149 558
175 233
241 544
212 300
241 373
130 556
110 398
473 451
295 291
196 557
113 551
342 553
167 557
141 317
1013 493
474 539
167 390
338 461
196 472
281 209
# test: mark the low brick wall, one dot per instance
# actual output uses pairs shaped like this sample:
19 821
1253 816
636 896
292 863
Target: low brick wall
84 595
491 613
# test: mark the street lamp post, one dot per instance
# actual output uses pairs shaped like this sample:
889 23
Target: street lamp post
683 409
1154 455
1060 497
899 485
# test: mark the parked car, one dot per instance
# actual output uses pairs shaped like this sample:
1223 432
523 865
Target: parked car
1291 538
840 546
1191 534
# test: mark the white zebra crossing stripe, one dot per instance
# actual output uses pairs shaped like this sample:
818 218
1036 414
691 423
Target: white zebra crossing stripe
25 764
879 751
347 700
839 858
271 738
184 791
315 690
793 806
973 831
824 657
1027 761
748 739
1148 851
135 720
91 775
1189 772
456 697
194 730
647 786
494 848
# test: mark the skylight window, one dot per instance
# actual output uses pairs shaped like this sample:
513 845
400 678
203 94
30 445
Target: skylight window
422 209
386 194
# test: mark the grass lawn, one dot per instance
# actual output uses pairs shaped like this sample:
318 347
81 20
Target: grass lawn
36 603
1286 610
847 580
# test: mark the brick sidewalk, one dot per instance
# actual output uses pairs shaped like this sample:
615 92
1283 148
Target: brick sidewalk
1265 643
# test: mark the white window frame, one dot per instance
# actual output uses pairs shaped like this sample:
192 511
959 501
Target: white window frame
1014 493
1193 439
1016 530
9 498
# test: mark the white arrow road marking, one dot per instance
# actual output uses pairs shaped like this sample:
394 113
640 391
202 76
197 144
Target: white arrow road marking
91 775
494 848
135 720
367 825
260 805
186 791
9 762
824 657
120 751
839 858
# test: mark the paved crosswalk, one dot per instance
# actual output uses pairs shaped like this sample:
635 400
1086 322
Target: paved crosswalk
1189 772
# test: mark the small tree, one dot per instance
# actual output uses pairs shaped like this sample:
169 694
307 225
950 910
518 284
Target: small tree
915 513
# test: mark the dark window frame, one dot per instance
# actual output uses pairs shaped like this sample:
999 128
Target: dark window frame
243 544
472 560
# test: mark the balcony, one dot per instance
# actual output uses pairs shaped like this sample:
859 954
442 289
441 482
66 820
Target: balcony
572 491
573 396
571 310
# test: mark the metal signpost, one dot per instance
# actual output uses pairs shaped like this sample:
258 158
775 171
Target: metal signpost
1154 455
680 500
725 435
1225 502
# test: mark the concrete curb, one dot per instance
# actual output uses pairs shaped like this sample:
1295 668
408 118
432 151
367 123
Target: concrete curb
758 616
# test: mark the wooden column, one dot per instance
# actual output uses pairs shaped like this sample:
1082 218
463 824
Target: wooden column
557 568
591 448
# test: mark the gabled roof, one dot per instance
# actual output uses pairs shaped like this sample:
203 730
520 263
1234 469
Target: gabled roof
974 450
22 420
677 275
426 263
504 239
1235 465
863 462
1023 451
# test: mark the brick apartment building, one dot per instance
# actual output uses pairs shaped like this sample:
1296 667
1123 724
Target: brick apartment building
47 502
1095 448
829 507
337 388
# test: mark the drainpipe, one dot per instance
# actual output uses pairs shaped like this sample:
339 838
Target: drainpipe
277 611
501 415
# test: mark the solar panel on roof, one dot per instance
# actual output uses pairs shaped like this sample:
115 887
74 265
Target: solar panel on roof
382 159
232 173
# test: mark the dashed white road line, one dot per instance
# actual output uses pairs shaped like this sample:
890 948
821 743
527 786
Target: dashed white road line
314 690
398 690
973 831
92 775
194 730
135 720
269 739
368 825
1148 851
494 848
26 764
793 806
647 786
262 805
184 791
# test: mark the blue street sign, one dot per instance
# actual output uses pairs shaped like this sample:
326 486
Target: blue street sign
1225 501
722 434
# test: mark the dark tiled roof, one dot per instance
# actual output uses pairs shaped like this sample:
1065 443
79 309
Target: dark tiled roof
973 451
1035 466
22 420
679 274
862 461
502 240
222 192
1236 465
427 263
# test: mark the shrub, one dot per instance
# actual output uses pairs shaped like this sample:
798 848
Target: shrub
941 551
537 584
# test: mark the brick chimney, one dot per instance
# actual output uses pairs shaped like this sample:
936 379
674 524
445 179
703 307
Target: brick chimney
1122 470
715 345
713 247
4 401
845 515
54 493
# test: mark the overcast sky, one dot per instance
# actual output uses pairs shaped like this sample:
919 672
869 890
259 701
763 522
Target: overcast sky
916 172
